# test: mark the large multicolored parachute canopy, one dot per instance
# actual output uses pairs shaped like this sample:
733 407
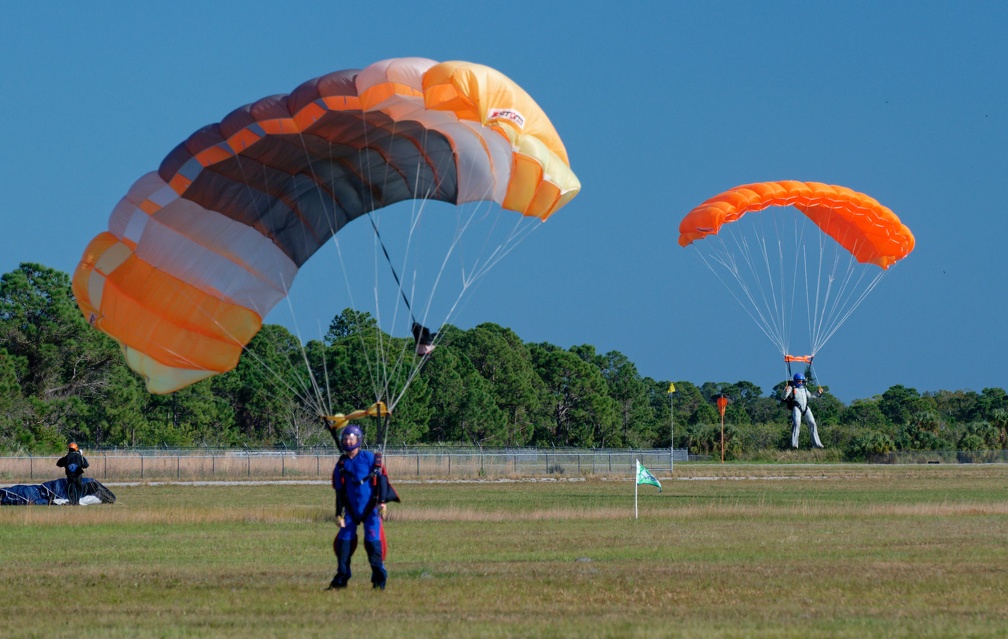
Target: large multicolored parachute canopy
775 260
200 251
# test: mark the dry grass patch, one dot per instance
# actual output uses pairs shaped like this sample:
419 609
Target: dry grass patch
744 551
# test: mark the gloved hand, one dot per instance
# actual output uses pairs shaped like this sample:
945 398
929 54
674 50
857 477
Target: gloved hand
820 391
382 512
341 521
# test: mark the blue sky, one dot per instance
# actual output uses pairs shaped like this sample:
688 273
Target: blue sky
660 104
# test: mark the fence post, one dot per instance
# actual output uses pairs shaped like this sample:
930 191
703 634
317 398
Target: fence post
178 466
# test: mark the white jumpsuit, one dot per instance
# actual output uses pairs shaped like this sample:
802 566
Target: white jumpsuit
799 407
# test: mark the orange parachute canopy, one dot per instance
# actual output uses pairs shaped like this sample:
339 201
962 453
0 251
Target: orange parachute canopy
869 231
198 252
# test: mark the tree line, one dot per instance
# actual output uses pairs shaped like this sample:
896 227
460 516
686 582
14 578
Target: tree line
62 380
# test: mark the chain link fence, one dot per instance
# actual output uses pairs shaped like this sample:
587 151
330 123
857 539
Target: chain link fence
942 457
315 464
402 463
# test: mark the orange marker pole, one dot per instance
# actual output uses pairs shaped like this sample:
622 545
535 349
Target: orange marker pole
722 403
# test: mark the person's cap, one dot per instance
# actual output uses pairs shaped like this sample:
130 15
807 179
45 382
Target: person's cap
73 445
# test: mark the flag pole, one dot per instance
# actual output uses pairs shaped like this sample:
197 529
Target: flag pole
671 390
636 473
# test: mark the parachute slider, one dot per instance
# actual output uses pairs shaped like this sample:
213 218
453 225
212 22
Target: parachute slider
807 359
339 420
798 358
424 339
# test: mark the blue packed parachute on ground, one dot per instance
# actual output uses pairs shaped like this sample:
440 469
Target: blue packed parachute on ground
54 493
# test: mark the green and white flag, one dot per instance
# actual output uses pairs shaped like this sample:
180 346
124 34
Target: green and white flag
644 476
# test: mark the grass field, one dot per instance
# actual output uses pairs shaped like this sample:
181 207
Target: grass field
736 551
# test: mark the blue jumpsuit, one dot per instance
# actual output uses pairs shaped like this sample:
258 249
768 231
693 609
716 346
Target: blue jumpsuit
355 483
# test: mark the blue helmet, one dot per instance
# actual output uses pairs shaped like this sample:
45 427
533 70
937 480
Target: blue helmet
799 379
351 429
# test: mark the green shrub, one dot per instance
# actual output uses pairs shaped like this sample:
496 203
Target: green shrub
868 444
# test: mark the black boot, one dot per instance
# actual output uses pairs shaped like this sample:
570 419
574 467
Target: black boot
344 550
339 581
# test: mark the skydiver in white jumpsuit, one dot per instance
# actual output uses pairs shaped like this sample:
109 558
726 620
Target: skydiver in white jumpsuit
797 398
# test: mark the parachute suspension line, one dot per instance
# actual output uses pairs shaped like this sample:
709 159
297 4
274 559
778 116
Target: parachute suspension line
477 272
418 326
727 261
381 373
844 292
473 275
783 322
828 302
318 398
487 256
853 301
785 308
373 366
765 303
481 267
387 373
800 266
819 313
384 389
313 396
382 426
834 286
777 301
769 294
388 259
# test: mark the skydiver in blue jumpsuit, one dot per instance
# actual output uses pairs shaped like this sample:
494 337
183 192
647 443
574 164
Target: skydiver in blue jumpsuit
362 489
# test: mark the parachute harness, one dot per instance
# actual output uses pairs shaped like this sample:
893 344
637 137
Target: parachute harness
811 376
